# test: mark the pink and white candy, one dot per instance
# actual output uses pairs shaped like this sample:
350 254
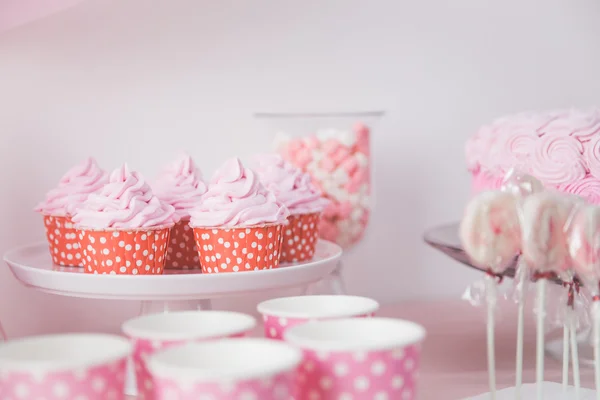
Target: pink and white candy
490 230
584 244
545 219
338 162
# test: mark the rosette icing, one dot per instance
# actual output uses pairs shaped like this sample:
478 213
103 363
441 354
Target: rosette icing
291 185
561 148
235 197
180 184
125 202
591 155
558 160
73 188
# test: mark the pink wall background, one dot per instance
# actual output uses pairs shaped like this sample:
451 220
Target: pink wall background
16 13
130 81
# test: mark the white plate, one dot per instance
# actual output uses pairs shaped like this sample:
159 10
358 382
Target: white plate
33 266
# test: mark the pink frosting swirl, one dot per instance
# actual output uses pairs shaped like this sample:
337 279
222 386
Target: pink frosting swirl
180 184
73 189
583 125
588 188
558 160
513 149
125 202
591 156
235 197
291 185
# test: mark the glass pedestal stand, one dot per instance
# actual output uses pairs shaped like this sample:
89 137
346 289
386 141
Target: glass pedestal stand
445 239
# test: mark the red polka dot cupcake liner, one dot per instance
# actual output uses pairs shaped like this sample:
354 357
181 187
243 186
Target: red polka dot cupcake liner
62 239
239 249
300 236
182 252
124 251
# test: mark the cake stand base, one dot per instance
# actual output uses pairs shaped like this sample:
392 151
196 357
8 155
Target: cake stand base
332 284
155 307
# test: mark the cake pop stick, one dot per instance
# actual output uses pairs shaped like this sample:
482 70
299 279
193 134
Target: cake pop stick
567 275
490 233
584 247
545 217
521 185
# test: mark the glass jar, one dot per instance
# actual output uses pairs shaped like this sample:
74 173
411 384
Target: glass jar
334 148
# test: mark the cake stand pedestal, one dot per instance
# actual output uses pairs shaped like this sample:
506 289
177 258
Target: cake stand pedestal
445 239
172 291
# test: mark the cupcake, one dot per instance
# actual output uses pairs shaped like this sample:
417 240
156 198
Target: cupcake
124 228
73 189
238 224
180 184
295 190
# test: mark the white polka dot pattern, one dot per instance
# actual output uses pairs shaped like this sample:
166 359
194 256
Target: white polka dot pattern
103 382
124 252
182 252
62 239
300 237
239 249
381 375
278 387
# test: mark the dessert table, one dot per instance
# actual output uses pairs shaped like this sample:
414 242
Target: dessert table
454 364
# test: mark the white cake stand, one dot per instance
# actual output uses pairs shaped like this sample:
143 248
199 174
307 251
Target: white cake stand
445 238
33 267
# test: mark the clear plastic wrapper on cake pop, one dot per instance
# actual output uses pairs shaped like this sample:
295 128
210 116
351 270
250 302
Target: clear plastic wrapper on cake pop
567 302
521 185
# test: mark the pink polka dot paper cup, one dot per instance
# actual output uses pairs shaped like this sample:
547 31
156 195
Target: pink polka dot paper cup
60 367
285 312
124 251
228 369
62 240
354 359
239 249
300 237
182 252
152 333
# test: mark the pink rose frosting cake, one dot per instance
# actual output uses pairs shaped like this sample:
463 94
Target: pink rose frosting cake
238 224
291 185
560 148
73 188
125 202
235 197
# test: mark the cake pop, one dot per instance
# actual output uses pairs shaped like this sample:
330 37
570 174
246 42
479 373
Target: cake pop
490 233
521 185
584 247
544 248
